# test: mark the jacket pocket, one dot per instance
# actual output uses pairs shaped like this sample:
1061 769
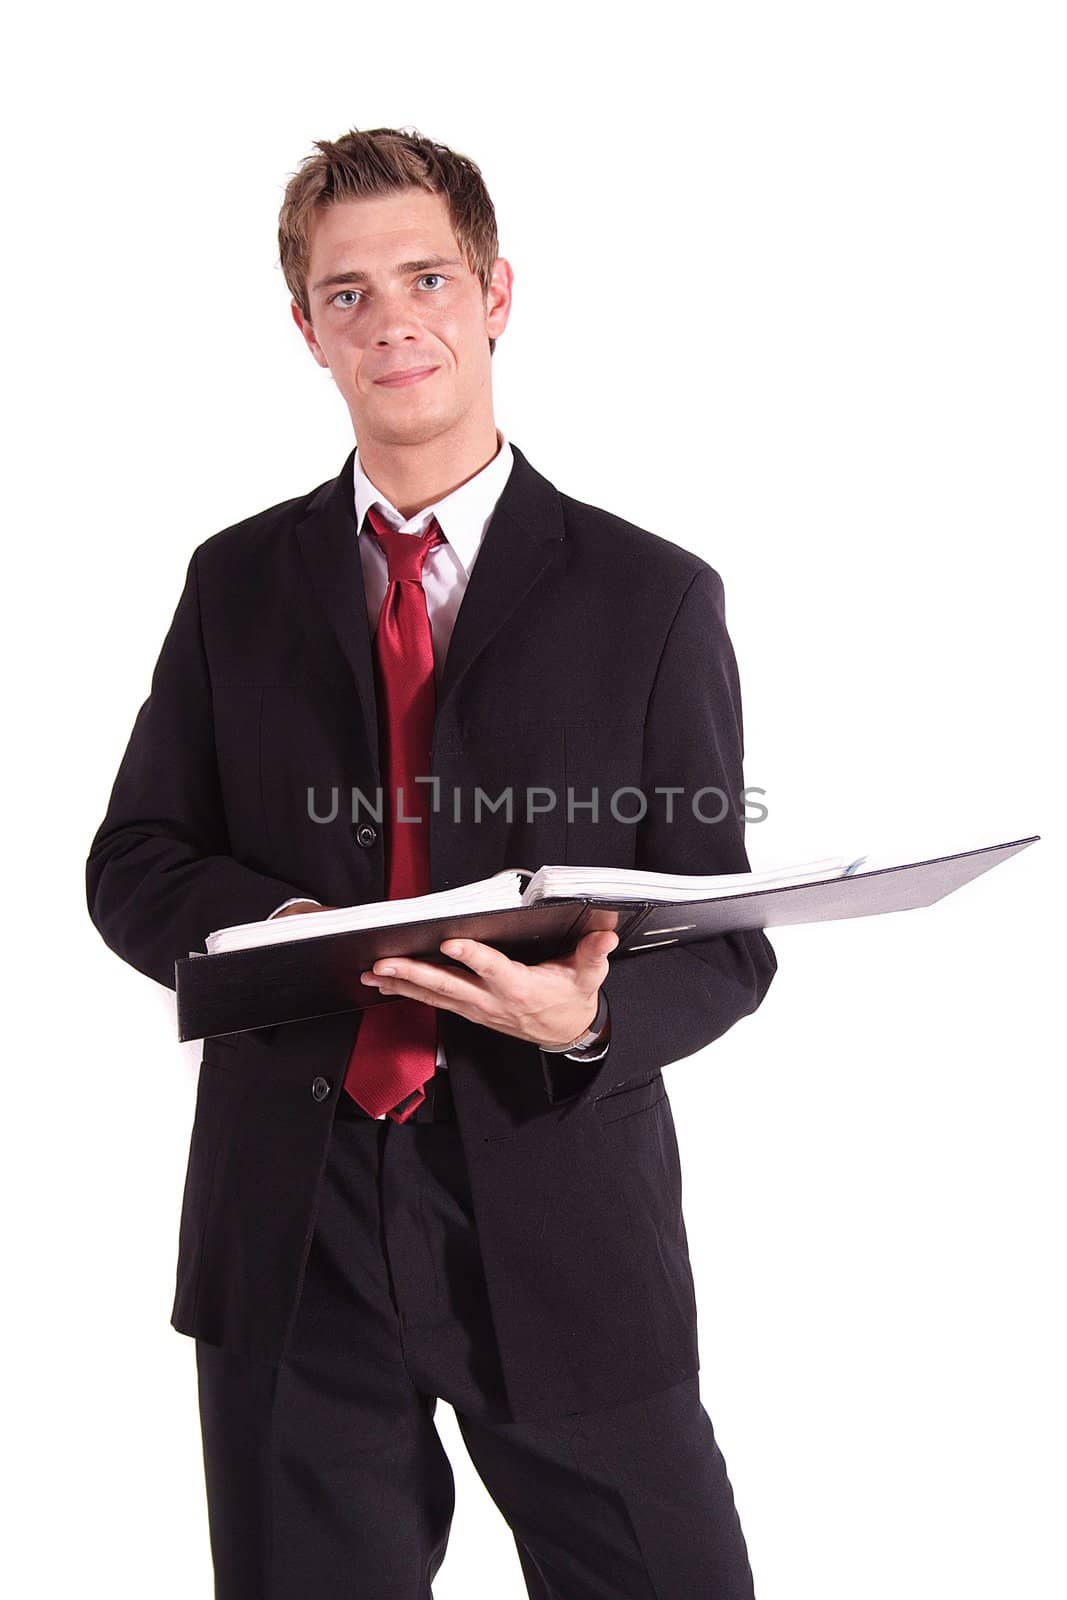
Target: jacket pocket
630 1099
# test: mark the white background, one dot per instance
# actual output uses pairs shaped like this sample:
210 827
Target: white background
789 291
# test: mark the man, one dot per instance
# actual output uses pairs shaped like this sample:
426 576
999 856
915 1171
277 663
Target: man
470 1190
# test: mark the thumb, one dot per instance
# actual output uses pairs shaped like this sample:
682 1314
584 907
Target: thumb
596 947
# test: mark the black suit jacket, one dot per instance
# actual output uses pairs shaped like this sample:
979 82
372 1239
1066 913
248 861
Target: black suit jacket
587 654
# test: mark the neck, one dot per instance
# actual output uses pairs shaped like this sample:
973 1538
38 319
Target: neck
413 476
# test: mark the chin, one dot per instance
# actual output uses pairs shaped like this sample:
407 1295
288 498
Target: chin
418 428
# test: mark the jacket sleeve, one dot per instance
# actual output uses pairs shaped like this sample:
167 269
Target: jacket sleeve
160 876
667 1004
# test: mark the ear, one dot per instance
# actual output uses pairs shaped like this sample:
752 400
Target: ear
304 324
498 298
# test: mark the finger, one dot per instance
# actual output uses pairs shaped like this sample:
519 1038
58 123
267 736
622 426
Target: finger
421 980
497 970
452 999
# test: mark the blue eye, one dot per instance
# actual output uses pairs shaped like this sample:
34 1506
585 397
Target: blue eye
337 299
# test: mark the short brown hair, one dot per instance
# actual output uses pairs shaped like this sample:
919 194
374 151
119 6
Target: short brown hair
378 161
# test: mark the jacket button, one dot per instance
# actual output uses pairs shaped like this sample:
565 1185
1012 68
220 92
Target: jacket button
320 1088
365 834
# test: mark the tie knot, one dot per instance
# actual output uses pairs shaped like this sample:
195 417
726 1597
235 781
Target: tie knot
405 552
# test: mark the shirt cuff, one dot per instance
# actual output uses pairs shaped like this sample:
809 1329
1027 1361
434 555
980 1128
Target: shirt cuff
297 900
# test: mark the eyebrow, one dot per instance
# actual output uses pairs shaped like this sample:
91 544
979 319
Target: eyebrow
405 267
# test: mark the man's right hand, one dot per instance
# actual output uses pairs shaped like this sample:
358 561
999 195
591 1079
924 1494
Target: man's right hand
300 907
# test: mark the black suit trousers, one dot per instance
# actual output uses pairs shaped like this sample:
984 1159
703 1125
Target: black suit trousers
326 1476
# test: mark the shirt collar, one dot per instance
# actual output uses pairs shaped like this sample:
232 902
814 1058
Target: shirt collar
462 516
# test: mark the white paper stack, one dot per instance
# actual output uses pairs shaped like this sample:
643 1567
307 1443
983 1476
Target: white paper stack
627 883
502 890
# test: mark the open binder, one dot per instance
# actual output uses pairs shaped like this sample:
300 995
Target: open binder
294 979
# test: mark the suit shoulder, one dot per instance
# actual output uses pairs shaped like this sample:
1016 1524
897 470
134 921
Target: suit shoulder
249 538
648 556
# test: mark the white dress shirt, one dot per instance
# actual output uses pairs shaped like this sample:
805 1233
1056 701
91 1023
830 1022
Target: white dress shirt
463 516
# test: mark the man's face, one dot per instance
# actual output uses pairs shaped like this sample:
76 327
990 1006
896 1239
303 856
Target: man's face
391 294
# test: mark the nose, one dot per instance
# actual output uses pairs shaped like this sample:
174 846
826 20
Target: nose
394 321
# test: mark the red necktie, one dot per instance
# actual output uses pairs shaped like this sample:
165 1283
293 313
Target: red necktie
396 1047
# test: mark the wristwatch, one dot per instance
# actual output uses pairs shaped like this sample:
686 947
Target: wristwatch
591 1034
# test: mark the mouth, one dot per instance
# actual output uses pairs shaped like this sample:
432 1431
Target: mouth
401 380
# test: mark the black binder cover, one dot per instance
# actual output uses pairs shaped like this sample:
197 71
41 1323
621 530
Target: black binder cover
236 990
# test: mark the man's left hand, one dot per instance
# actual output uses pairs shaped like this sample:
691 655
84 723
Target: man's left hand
549 1003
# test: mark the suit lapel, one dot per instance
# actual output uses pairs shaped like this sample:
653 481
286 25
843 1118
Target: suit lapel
327 536
524 539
